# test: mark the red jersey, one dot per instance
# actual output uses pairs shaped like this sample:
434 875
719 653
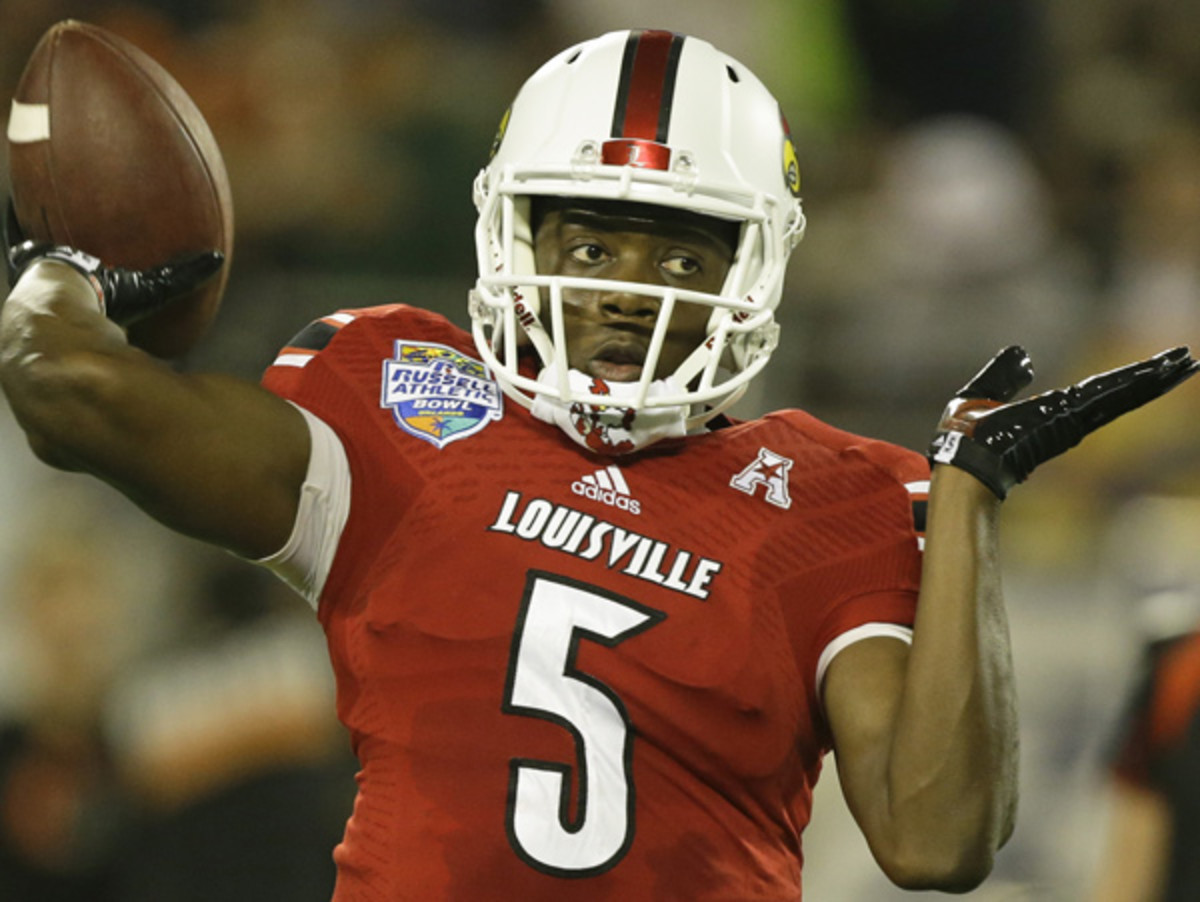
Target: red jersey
575 676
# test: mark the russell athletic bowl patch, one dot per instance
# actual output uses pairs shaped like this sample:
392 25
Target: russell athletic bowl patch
439 394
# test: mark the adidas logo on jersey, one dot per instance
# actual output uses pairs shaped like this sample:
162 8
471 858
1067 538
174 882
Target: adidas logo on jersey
607 486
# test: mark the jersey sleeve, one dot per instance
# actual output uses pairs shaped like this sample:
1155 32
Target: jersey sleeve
331 369
867 577
304 561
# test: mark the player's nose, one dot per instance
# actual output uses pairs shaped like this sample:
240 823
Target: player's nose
632 303
629 305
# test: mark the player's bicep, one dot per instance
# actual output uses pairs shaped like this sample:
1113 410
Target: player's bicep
214 457
861 694
211 456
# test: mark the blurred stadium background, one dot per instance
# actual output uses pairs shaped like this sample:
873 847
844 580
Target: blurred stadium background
974 174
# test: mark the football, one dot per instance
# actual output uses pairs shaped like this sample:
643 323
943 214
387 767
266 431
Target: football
109 155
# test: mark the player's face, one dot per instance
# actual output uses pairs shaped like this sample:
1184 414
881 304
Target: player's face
608 332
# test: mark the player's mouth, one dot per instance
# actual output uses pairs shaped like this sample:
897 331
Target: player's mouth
618 362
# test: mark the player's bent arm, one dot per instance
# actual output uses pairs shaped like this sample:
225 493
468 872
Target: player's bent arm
926 737
213 457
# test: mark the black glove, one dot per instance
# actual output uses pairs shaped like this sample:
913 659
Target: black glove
1000 443
126 295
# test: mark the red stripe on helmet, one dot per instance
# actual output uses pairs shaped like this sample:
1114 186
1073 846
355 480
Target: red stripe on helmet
647 87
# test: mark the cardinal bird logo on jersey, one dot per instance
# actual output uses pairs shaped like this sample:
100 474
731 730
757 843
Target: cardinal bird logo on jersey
439 394
605 429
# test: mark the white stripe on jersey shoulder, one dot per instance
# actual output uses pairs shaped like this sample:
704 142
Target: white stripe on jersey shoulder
304 562
293 359
299 355
857 634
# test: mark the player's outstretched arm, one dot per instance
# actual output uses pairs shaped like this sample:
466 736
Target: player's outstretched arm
926 738
210 456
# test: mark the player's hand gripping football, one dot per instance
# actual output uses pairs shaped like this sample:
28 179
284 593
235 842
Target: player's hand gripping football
1000 441
125 295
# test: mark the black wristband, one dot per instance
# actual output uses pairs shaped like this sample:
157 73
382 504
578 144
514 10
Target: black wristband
959 450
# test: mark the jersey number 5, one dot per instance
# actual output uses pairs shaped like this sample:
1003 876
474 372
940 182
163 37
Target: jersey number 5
543 682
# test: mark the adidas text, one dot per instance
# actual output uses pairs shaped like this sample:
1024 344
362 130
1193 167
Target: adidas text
607 486
606 496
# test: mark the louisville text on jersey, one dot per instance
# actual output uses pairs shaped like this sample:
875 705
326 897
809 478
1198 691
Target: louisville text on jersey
573 532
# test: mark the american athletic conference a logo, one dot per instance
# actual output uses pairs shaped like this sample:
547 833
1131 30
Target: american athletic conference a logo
439 394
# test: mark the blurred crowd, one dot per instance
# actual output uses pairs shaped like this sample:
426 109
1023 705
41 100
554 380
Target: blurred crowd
975 175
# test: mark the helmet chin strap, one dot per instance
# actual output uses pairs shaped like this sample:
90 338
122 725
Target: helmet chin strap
615 428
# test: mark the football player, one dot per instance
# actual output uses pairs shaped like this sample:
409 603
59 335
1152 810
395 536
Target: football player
593 638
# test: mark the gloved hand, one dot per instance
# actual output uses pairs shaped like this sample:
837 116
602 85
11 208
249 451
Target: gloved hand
125 295
1000 441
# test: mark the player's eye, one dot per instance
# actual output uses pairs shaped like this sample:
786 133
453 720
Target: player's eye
680 265
588 253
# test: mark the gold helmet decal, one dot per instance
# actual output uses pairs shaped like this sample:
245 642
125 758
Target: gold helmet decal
500 133
791 164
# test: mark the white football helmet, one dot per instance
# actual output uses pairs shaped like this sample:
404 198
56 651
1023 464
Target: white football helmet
650 117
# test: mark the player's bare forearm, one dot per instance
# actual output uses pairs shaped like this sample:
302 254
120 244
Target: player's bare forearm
926 738
207 455
952 771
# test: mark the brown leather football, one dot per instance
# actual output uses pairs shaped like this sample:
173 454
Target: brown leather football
109 155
